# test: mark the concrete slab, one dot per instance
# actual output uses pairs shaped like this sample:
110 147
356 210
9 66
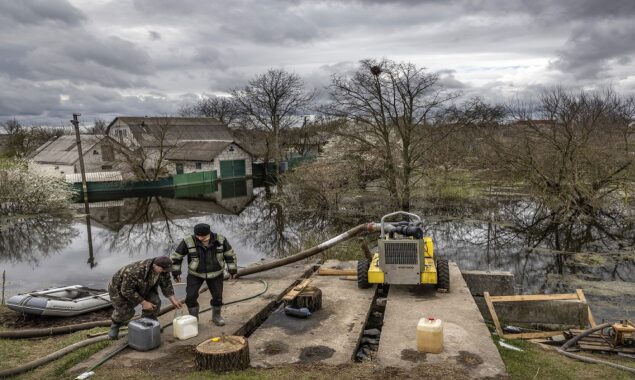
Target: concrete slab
328 336
240 318
467 341
497 283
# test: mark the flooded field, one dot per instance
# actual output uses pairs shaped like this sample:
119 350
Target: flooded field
88 248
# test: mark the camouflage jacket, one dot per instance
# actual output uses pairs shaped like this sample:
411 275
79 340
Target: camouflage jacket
134 281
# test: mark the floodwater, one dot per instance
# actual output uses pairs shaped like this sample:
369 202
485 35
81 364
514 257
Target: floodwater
88 248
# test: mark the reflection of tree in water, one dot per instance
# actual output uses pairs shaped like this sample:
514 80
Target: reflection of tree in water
148 224
27 239
520 238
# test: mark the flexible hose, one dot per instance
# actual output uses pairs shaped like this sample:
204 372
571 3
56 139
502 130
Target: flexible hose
68 349
50 357
575 339
48 331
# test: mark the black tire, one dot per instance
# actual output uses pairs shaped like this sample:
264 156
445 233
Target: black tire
362 274
443 275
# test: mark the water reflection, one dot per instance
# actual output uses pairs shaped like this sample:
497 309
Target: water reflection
118 229
30 239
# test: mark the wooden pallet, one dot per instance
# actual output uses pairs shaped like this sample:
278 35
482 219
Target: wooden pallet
599 342
490 300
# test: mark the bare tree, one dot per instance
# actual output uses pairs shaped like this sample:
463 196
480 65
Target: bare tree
271 102
221 108
147 159
573 150
99 127
390 108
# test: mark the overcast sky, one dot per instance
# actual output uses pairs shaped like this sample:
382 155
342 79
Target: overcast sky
147 57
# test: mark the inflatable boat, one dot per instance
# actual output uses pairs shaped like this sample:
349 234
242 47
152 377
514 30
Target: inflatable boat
65 301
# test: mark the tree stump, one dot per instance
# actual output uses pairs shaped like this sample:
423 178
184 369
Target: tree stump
310 297
228 353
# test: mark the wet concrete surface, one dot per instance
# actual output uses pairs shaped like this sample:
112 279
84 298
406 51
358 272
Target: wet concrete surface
467 341
330 335
240 319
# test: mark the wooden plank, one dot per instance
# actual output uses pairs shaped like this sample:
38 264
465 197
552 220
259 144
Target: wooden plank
337 272
534 297
533 335
291 294
582 298
492 312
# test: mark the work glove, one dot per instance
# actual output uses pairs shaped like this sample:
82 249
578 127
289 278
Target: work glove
176 275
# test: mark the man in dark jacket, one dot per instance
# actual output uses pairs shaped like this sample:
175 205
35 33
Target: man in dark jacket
207 253
136 284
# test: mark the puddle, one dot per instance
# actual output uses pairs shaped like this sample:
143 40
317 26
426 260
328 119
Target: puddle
275 347
315 354
468 359
413 356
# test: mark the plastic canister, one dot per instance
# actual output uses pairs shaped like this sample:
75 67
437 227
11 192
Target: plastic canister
430 335
144 334
185 327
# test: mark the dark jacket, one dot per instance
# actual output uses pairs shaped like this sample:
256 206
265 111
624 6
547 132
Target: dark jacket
133 282
206 262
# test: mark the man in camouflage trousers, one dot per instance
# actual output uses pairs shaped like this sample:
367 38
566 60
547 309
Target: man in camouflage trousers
207 255
136 284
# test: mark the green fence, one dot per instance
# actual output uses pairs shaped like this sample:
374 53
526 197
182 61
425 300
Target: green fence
178 180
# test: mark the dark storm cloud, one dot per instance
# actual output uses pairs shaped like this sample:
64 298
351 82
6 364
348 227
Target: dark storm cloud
56 59
591 52
40 11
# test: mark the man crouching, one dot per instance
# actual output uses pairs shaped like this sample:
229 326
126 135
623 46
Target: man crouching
136 284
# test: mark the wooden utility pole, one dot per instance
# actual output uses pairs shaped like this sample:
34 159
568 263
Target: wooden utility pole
75 123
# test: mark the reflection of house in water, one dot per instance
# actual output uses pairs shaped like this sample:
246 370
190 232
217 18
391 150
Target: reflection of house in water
228 197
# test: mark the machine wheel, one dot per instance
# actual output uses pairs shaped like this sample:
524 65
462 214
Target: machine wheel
443 275
362 274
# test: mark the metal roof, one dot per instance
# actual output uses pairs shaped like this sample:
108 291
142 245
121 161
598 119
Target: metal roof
114 176
63 150
146 130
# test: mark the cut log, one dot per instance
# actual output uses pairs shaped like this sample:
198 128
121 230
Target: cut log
291 294
228 353
310 297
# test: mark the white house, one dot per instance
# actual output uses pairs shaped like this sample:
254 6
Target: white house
190 144
59 156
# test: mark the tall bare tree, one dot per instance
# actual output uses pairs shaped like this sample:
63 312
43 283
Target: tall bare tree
272 101
221 108
574 152
390 108
147 158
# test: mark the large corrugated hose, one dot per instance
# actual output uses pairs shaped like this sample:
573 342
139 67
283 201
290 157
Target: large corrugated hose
572 341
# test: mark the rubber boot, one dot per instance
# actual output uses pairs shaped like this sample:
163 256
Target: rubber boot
193 311
113 333
216 317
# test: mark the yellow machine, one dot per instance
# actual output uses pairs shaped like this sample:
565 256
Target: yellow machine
405 257
623 333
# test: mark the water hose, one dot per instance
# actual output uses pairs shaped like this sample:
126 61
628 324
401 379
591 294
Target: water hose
575 339
50 357
48 331
89 372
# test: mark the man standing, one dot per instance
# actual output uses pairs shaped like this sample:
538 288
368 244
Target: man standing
136 284
207 253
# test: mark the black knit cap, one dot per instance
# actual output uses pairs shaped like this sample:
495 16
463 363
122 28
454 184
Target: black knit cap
163 261
202 229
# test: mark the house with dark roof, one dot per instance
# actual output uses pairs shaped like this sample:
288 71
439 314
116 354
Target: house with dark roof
59 156
190 144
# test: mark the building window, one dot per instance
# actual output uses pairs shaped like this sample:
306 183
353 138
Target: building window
199 165
231 148
95 152
106 167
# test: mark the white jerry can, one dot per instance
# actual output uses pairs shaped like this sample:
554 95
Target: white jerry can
430 335
185 327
